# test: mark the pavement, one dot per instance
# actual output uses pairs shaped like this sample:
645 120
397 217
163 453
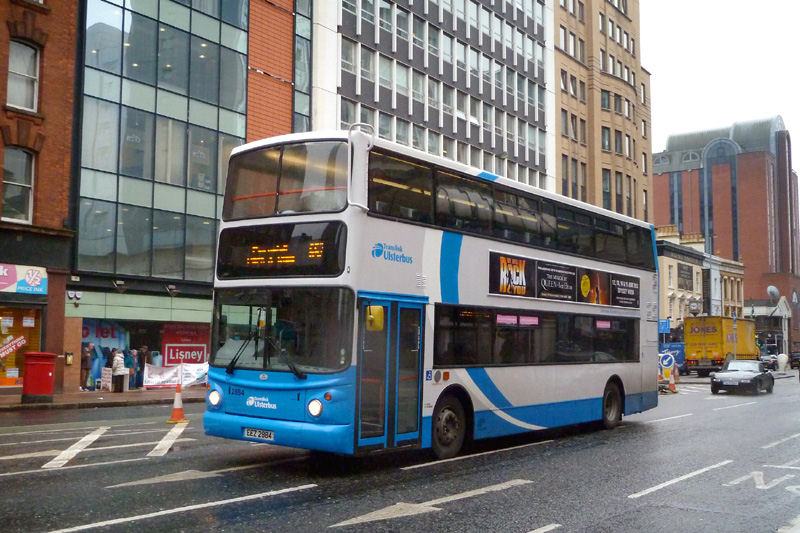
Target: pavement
90 399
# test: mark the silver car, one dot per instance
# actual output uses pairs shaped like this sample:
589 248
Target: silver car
742 375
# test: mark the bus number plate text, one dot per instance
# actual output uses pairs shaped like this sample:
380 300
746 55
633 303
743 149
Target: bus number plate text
261 434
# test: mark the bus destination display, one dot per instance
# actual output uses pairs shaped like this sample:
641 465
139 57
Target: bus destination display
281 250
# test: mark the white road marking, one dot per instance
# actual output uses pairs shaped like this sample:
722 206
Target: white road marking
462 457
668 418
185 509
788 466
678 479
190 475
54 453
61 439
776 443
45 453
39 470
758 479
409 509
545 529
733 406
68 454
4 432
169 439
792 527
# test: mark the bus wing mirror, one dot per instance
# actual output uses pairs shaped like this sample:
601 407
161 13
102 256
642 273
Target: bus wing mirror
374 318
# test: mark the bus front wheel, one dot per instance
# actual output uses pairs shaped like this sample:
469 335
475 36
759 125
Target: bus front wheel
612 405
449 427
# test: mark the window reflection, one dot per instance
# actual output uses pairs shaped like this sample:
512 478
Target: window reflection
202 158
96 235
204 69
136 144
170 152
173 59
134 229
168 231
103 36
139 48
99 144
200 243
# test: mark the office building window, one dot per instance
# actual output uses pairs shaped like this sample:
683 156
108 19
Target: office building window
605 134
606 188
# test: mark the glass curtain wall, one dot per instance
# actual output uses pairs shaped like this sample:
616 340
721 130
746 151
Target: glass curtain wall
164 103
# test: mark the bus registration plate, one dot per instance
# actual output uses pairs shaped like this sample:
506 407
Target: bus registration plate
261 434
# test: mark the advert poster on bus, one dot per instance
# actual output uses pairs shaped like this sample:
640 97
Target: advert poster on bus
624 291
511 275
520 276
593 286
555 282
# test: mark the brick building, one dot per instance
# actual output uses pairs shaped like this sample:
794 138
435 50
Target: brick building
37 51
735 186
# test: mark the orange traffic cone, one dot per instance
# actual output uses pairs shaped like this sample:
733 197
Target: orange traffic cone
177 408
677 373
672 387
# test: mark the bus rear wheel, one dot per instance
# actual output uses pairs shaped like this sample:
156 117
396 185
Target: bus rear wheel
449 427
612 406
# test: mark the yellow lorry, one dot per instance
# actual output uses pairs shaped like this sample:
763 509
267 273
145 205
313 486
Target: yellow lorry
710 340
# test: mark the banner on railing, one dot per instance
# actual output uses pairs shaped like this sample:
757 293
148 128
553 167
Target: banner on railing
169 376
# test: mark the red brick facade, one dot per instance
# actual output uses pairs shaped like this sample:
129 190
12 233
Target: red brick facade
52 28
269 88
48 132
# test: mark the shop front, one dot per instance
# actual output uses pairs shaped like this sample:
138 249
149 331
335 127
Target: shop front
23 300
167 330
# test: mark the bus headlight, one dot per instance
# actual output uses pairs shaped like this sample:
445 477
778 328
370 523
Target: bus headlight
315 407
214 398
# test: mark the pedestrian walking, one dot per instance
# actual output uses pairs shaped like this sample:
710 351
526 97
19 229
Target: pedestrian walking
118 371
130 364
140 362
86 365
146 355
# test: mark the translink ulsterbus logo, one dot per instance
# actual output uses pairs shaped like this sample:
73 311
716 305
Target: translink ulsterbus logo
391 252
263 403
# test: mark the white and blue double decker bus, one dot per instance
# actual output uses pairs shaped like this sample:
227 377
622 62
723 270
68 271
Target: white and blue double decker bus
369 296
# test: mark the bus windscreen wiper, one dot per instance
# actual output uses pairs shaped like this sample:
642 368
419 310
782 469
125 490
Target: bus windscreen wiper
288 360
253 333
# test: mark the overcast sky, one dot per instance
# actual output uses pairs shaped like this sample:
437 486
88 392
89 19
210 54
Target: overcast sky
716 62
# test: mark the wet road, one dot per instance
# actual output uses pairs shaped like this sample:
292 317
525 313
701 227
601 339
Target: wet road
696 463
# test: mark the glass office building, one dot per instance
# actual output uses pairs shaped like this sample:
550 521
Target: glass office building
163 104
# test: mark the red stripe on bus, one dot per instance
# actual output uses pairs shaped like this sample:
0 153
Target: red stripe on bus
296 191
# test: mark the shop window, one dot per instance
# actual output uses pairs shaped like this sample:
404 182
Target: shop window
20 330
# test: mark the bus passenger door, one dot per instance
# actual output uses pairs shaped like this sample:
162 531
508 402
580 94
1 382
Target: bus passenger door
390 362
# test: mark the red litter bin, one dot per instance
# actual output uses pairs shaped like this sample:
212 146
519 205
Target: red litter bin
39 377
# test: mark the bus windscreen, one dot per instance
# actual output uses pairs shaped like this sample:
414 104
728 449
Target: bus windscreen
287 179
